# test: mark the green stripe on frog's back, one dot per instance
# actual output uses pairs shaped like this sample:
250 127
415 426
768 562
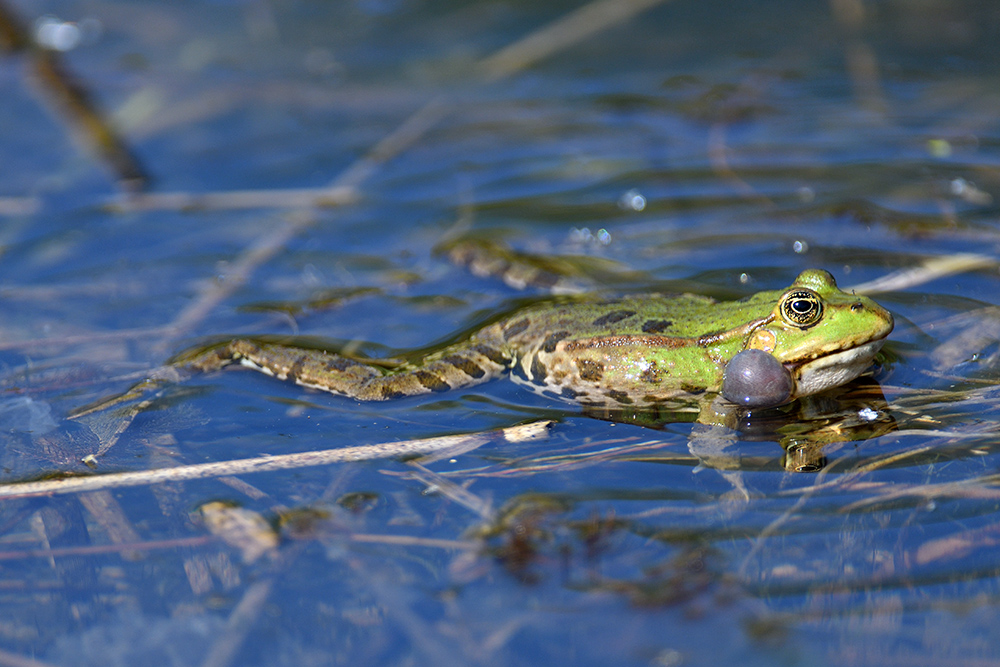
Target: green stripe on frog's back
685 316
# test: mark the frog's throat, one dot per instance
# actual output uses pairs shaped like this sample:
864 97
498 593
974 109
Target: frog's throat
832 370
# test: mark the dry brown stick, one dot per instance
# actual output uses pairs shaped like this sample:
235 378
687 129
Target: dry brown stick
92 128
927 270
13 36
267 463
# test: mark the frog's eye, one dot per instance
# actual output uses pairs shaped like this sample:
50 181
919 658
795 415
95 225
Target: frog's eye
801 307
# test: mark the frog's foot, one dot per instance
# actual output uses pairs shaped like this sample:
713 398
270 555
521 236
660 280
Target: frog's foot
460 366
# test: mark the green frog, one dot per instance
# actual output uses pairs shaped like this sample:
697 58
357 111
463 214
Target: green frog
635 352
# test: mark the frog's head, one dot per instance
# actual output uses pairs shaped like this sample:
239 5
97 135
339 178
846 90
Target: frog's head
823 336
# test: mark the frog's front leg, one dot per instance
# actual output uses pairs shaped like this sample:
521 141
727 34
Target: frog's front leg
459 366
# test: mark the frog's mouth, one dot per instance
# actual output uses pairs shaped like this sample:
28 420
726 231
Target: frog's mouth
832 370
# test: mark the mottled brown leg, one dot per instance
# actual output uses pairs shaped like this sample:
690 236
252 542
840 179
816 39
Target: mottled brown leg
460 366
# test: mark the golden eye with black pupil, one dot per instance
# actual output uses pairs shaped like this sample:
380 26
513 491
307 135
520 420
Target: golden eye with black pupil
801 307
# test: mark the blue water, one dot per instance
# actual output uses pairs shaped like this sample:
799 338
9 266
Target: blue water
719 148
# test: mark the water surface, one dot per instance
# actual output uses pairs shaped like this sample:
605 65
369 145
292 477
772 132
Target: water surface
306 162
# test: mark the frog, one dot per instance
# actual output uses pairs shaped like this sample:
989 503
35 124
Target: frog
634 352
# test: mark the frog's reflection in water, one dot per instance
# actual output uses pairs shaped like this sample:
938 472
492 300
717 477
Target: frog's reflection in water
808 430
853 413
804 458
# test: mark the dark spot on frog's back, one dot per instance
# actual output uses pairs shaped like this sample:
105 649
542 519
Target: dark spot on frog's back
296 370
340 364
515 328
612 317
591 371
656 326
552 340
431 381
389 393
467 366
491 353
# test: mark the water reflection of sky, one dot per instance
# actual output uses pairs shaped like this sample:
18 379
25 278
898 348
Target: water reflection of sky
761 139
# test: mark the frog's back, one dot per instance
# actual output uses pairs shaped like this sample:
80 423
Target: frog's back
635 350
632 315
685 316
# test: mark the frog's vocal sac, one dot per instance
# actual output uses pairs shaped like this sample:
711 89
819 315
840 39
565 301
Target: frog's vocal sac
638 351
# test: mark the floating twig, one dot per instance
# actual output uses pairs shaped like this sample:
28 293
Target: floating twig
930 269
271 463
